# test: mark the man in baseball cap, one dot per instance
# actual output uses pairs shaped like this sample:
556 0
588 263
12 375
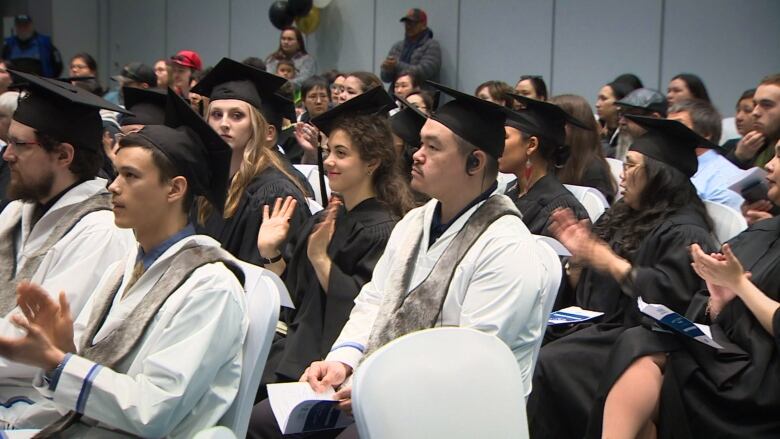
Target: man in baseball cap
183 64
640 102
136 74
417 53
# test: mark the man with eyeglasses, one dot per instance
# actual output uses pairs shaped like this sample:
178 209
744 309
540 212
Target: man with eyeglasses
59 232
640 102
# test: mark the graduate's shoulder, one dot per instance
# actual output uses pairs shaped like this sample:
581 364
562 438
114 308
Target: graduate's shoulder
270 184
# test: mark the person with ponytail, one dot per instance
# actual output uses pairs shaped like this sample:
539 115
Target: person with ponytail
258 176
534 148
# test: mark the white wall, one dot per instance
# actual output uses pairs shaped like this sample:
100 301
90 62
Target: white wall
577 45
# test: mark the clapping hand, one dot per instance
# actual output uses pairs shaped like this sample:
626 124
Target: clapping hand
320 237
275 226
308 136
574 235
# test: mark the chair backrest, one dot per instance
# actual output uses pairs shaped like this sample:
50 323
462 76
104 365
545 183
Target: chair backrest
312 174
218 432
314 206
727 222
616 167
728 130
504 179
552 262
591 199
262 297
440 383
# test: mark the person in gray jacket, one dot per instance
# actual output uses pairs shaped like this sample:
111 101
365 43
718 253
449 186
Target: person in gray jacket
418 52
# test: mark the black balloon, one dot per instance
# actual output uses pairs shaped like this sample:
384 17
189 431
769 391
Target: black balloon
279 16
299 8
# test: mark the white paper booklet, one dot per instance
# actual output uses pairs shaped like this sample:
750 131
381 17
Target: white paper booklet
572 314
678 323
297 408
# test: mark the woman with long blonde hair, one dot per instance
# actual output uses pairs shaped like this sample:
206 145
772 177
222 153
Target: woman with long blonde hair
258 175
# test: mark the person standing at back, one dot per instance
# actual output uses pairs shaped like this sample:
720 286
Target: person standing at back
418 52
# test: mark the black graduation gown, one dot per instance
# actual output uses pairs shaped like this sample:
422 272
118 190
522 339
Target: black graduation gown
358 241
546 195
568 369
238 234
734 392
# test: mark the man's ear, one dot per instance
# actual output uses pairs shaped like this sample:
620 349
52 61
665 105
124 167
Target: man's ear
178 189
65 153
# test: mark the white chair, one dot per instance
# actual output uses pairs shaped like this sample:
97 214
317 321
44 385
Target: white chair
312 174
728 130
218 432
727 222
314 206
616 167
440 383
552 262
262 297
591 199
504 179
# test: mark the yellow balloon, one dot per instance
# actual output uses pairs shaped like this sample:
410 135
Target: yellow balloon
310 22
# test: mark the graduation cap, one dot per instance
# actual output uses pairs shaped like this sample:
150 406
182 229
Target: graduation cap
60 110
373 102
230 79
478 121
670 142
542 119
194 148
147 105
407 123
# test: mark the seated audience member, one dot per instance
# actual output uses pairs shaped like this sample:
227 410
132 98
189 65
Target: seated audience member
663 384
183 67
766 125
422 100
162 69
495 285
239 96
84 73
292 47
336 250
586 165
316 96
406 82
336 81
607 112
686 86
640 102
534 147
497 92
174 302
286 69
531 86
638 248
59 232
357 83
714 174
743 121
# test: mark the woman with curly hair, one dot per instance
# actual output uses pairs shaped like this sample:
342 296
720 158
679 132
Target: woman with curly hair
638 248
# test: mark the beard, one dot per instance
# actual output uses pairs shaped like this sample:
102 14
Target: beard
32 191
624 141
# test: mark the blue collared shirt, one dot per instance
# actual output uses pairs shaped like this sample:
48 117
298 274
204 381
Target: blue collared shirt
438 229
713 178
149 258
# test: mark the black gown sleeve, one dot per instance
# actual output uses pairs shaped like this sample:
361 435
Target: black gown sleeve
600 178
776 327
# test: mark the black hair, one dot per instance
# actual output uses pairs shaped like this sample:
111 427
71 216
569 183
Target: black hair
667 190
631 80
255 62
695 86
537 82
415 77
314 82
88 60
747 94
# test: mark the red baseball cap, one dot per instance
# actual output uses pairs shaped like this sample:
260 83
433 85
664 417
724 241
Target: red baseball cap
415 15
188 58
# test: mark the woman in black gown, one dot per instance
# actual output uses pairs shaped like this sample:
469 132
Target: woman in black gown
258 175
335 251
534 148
695 390
638 248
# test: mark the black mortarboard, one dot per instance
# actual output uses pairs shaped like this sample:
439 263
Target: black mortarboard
60 110
476 120
670 142
230 79
374 101
194 148
147 105
407 123
542 119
